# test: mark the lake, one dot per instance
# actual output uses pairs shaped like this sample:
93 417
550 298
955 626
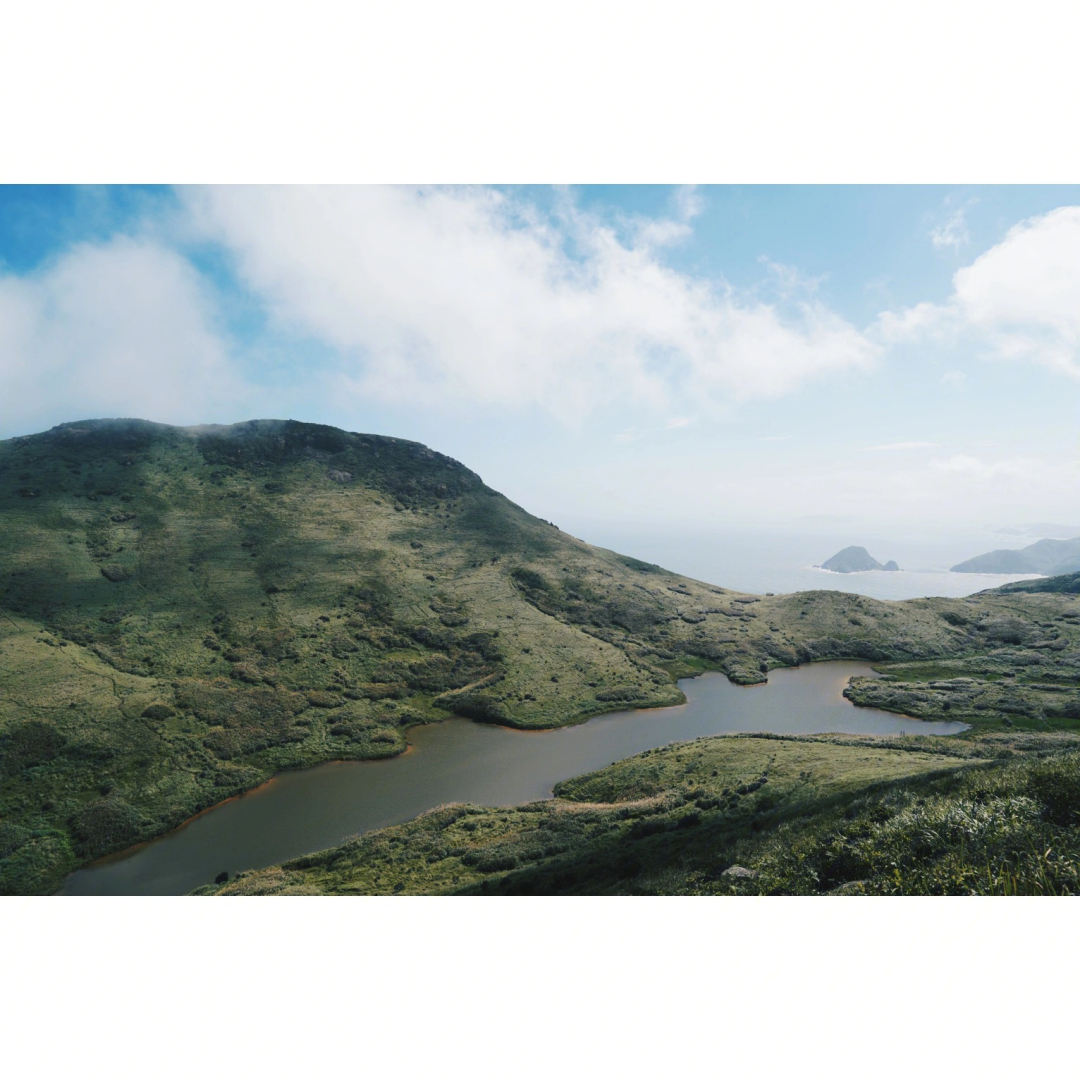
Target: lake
462 761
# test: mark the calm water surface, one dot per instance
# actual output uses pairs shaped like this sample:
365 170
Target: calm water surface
462 761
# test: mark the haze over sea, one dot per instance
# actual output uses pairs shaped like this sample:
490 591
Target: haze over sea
761 561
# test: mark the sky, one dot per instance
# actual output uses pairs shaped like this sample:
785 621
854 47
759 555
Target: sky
777 357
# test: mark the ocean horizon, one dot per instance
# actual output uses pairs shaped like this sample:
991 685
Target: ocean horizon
784 561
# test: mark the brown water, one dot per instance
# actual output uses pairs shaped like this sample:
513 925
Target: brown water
462 761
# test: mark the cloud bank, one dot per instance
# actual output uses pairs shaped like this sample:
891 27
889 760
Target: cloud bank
443 296
1020 300
953 232
117 328
452 298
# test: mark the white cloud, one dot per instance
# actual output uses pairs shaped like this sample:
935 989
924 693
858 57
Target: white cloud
452 296
973 468
1020 300
953 489
923 321
634 434
789 281
930 492
1025 292
688 202
662 232
116 329
902 446
952 233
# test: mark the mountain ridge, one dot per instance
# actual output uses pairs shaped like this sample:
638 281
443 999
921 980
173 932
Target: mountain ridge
1049 557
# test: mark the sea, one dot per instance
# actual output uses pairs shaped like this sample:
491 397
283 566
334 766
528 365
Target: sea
784 561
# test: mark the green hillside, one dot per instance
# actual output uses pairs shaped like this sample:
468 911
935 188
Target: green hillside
184 612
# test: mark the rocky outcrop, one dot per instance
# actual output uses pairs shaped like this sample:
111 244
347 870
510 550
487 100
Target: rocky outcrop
853 560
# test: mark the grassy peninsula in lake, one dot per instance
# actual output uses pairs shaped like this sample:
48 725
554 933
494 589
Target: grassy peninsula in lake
184 612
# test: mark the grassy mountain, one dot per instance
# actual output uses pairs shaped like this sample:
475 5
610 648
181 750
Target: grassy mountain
184 611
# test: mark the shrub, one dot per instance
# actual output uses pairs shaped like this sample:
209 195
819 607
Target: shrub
33 862
530 580
476 706
623 693
491 860
322 700
1057 786
29 744
647 827
104 826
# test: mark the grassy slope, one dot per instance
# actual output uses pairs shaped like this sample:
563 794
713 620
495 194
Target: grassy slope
184 612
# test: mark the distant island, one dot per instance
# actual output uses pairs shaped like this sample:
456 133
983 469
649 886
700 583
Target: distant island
1043 557
852 560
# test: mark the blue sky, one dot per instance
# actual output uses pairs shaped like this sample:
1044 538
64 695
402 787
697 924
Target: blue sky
757 356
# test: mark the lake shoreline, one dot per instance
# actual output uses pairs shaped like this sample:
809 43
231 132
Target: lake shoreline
283 785
123 853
